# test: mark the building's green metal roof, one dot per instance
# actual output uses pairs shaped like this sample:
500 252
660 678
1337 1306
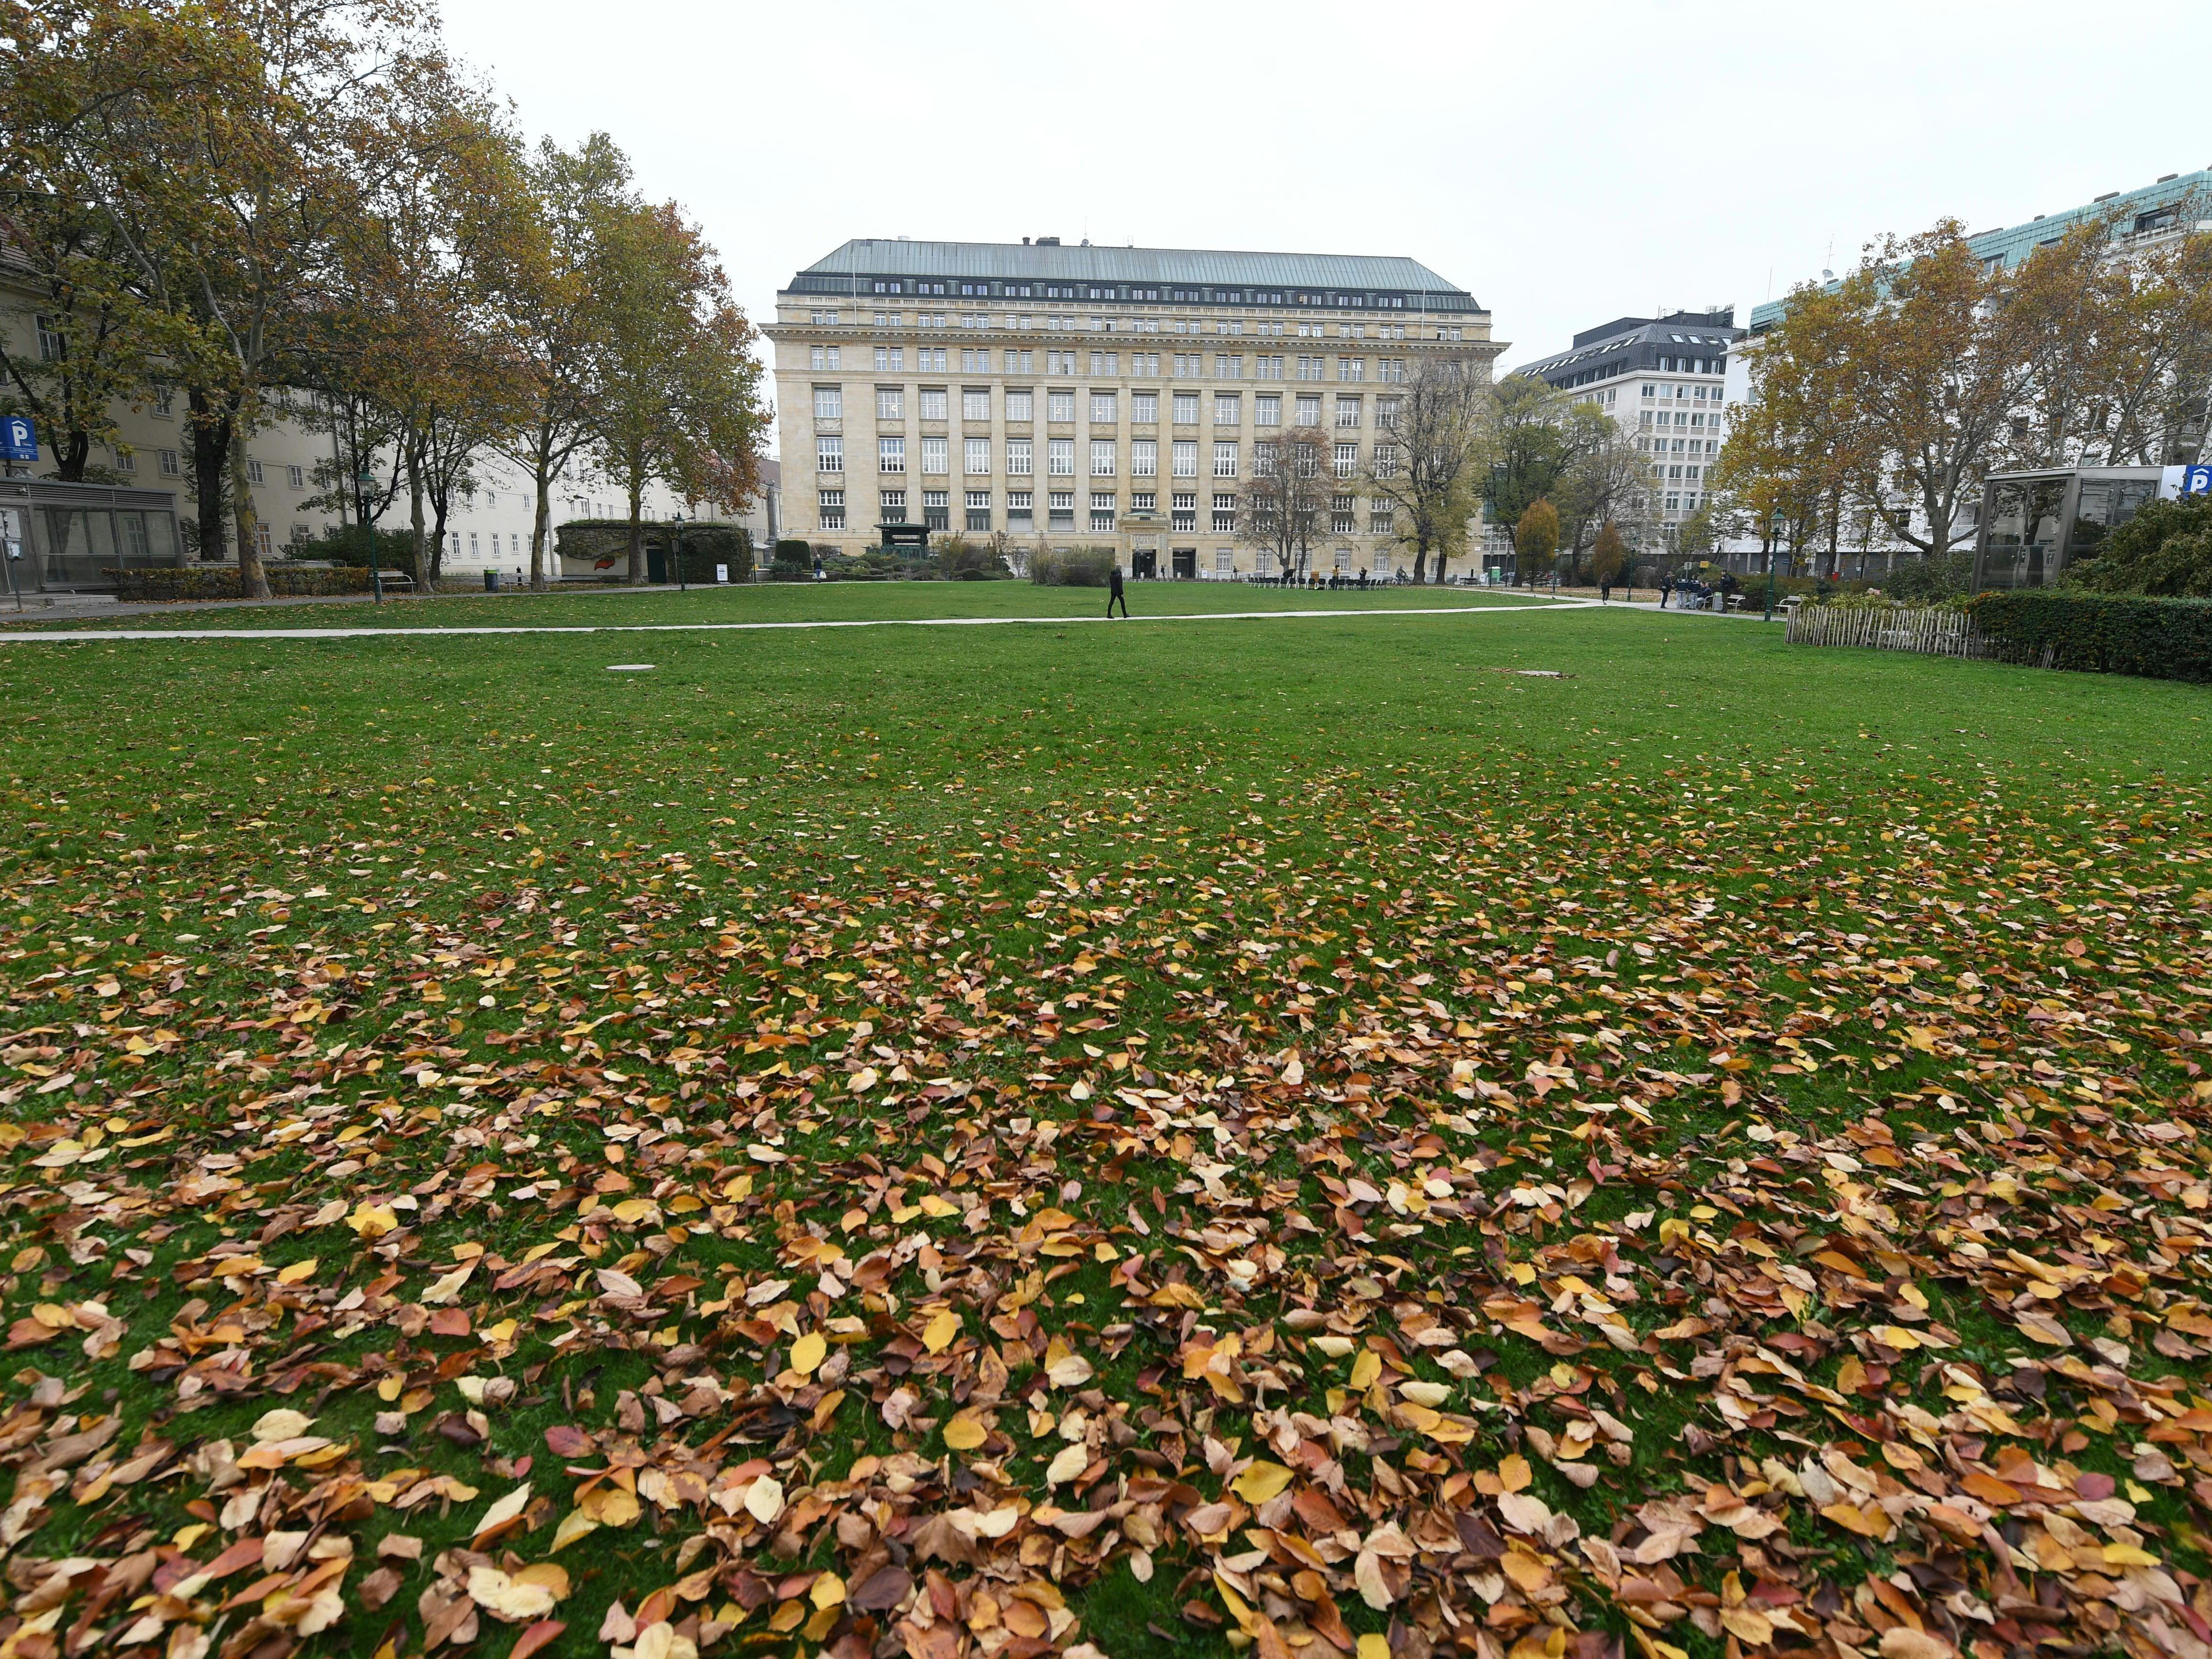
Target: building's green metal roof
1205 267
2015 243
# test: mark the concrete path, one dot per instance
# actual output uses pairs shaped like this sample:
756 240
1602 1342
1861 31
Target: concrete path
81 635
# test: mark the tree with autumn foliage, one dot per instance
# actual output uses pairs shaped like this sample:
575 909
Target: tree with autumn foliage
676 395
1536 540
1426 460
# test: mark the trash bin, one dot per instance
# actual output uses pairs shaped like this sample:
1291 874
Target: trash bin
491 581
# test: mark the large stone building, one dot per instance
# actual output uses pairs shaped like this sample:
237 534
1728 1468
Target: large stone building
1083 397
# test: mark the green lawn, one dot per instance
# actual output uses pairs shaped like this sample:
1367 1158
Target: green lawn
794 602
1576 1126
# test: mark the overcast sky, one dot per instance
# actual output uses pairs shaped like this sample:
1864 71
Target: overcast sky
1567 164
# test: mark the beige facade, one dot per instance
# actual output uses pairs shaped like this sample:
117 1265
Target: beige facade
1081 397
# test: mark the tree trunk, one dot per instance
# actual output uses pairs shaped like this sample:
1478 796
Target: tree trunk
252 578
1420 563
70 455
636 535
425 564
538 528
210 438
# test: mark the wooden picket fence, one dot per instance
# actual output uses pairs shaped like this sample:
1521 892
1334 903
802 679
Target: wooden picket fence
1931 629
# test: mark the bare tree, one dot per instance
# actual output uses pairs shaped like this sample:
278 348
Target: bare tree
1425 461
1607 480
1284 509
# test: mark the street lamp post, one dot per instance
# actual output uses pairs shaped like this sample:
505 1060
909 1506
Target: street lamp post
361 483
675 550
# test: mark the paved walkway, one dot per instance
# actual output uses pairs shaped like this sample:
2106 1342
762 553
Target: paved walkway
65 635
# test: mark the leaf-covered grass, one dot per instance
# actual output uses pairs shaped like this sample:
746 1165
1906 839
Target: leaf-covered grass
991 1139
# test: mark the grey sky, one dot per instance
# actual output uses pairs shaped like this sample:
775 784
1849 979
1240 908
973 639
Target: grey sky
1567 164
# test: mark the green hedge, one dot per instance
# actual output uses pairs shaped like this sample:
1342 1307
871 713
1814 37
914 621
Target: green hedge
2099 633
217 581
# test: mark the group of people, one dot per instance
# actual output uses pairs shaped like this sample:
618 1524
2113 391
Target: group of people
1688 593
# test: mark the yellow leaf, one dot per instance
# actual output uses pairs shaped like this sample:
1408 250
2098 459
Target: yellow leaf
1070 1461
764 1499
937 1335
827 1592
573 1525
506 1510
610 1506
807 1353
373 1220
298 1271
1366 1368
1261 1482
965 1433
1514 1472
1372 1646
938 1207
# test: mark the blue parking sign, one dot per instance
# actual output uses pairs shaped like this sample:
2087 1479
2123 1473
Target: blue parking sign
18 439
2197 481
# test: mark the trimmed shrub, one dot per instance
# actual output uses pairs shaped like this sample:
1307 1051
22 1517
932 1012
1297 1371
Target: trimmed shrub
2166 549
961 560
1077 567
348 545
219 581
2098 633
793 562
1925 580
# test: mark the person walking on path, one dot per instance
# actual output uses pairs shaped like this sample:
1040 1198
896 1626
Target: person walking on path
1114 595
1666 588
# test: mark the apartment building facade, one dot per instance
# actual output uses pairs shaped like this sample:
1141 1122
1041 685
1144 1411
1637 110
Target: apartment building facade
1079 396
1670 381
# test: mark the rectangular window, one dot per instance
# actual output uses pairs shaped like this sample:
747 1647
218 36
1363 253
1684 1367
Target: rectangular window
1059 510
892 358
1101 458
297 476
890 455
1145 362
1224 514
1228 409
1189 366
1224 561
1060 406
1310 369
1020 515
974 360
1144 408
1386 460
1060 362
1381 521
1186 409
1268 410
1102 511
166 458
976 403
824 357
937 509
1340 515
1105 362
1182 511
1352 369
1143 459
1308 410
1228 365
979 509
1386 413
1021 405
1224 460
1017 363
893 503
1347 411
929 359
252 472
891 403
829 452
165 403
1185 459
1060 456
53 345
1266 368
1105 409
1347 460
1145 501
1264 455
977 456
1393 370
127 460
1018 458
932 403
829 403
936 457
